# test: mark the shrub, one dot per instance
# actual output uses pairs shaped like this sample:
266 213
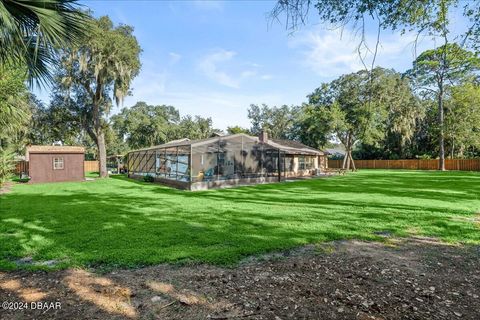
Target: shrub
424 157
148 178
7 165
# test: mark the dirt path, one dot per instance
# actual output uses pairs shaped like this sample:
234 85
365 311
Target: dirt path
416 279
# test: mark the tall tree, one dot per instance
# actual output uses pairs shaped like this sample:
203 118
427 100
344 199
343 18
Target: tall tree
14 117
347 109
31 30
14 104
437 69
98 71
462 119
404 111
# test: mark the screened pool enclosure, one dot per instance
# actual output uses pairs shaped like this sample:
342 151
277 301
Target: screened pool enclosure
220 161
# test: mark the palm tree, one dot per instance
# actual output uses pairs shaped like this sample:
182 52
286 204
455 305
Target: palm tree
30 30
14 103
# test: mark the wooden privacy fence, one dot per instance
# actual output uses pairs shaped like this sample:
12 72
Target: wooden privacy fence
412 164
88 166
21 166
91 166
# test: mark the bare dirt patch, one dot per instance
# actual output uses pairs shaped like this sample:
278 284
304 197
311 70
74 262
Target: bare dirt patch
417 278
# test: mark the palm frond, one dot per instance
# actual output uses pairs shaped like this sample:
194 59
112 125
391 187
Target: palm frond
32 30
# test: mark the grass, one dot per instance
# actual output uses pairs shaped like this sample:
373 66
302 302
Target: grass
91 174
118 222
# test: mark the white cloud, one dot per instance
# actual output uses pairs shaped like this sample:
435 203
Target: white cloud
248 74
327 54
174 57
208 65
216 64
330 53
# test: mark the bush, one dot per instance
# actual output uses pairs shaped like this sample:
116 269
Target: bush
424 157
148 178
7 165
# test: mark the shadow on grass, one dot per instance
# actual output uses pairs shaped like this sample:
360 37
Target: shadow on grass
123 222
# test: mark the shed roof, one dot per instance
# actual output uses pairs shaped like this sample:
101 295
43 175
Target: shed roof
55 149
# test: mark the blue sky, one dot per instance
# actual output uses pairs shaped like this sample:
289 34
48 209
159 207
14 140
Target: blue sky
215 58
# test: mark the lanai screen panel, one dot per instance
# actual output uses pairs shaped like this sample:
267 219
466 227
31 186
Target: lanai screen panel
171 163
233 158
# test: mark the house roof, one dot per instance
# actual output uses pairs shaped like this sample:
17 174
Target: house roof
55 149
335 151
287 146
193 143
293 147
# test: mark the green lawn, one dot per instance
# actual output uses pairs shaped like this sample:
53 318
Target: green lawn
120 222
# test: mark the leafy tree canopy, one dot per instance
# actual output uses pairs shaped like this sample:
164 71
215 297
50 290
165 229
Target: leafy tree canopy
449 64
278 121
237 129
359 107
145 125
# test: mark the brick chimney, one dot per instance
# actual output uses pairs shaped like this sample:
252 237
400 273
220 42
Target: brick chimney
263 136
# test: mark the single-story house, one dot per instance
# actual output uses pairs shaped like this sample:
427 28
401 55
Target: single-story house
225 161
55 163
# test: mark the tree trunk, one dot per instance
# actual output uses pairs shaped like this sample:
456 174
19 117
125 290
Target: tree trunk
441 115
348 159
344 160
102 154
452 153
354 168
99 133
441 118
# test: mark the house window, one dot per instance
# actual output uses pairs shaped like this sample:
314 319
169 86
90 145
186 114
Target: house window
309 163
57 163
306 162
301 162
